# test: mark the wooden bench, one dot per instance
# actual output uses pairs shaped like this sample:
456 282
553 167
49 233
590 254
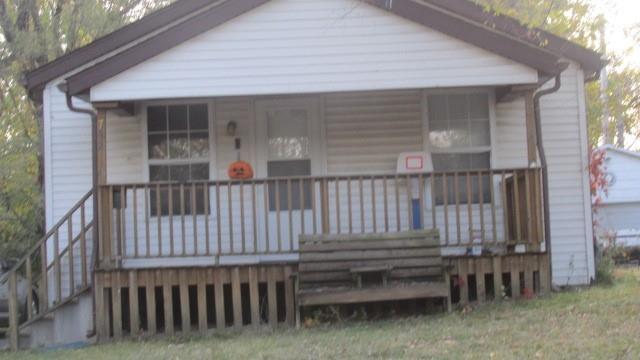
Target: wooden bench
333 269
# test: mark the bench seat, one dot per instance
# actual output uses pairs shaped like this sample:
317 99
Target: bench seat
391 292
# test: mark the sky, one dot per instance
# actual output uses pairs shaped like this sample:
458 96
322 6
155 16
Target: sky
621 14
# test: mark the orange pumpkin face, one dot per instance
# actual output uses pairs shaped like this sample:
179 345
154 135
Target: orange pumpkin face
240 170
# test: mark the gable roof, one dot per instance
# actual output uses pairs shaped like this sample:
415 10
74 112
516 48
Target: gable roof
185 19
37 78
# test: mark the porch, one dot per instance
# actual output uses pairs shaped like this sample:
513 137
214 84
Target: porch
211 254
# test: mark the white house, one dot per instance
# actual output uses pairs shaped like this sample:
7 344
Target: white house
357 117
619 210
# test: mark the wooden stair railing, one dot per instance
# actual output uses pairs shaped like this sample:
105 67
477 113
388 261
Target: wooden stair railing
51 274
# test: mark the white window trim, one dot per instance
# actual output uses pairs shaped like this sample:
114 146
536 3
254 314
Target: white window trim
492 122
145 135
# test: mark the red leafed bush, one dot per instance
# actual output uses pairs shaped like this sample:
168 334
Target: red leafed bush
597 176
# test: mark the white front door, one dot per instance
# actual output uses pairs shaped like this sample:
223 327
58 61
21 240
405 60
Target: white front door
288 145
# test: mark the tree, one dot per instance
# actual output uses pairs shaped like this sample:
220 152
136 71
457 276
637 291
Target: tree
33 32
578 21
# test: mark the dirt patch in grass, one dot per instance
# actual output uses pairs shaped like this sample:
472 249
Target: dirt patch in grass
595 323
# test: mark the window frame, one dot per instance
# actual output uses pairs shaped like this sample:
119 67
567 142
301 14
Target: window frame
147 162
461 91
491 148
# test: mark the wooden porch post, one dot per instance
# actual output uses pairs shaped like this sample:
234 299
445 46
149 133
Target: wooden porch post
532 136
104 211
533 193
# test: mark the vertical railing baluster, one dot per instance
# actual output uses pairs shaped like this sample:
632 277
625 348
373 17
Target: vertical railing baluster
337 197
171 235
218 220
314 213
159 218
147 205
397 191
374 214
278 230
194 215
516 192
254 216
242 221
56 266
385 196
361 205
182 221
527 186
445 197
70 254
481 205
324 206
423 221
135 221
29 287
432 181
230 208
207 235
469 207
456 193
44 279
290 212
349 205
493 207
83 245
302 204
266 214
123 218
505 210
409 202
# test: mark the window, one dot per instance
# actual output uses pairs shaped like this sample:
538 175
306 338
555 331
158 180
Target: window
289 155
178 138
460 140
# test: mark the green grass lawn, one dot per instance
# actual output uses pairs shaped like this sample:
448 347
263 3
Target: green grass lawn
596 323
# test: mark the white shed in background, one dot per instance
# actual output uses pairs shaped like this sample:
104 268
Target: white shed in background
619 213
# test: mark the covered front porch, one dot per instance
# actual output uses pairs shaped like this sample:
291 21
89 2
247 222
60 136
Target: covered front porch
209 251
333 163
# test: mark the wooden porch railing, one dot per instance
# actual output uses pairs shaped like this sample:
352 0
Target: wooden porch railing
264 217
54 271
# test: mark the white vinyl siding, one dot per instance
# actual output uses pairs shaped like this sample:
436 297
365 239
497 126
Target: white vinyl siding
564 136
125 162
309 46
67 147
366 131
510 135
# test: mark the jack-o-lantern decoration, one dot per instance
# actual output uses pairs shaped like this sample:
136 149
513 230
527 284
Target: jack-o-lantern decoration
240 170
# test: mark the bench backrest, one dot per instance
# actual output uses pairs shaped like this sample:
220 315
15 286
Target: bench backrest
327 260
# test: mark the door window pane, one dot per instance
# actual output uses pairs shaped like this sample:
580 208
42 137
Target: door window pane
288 134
